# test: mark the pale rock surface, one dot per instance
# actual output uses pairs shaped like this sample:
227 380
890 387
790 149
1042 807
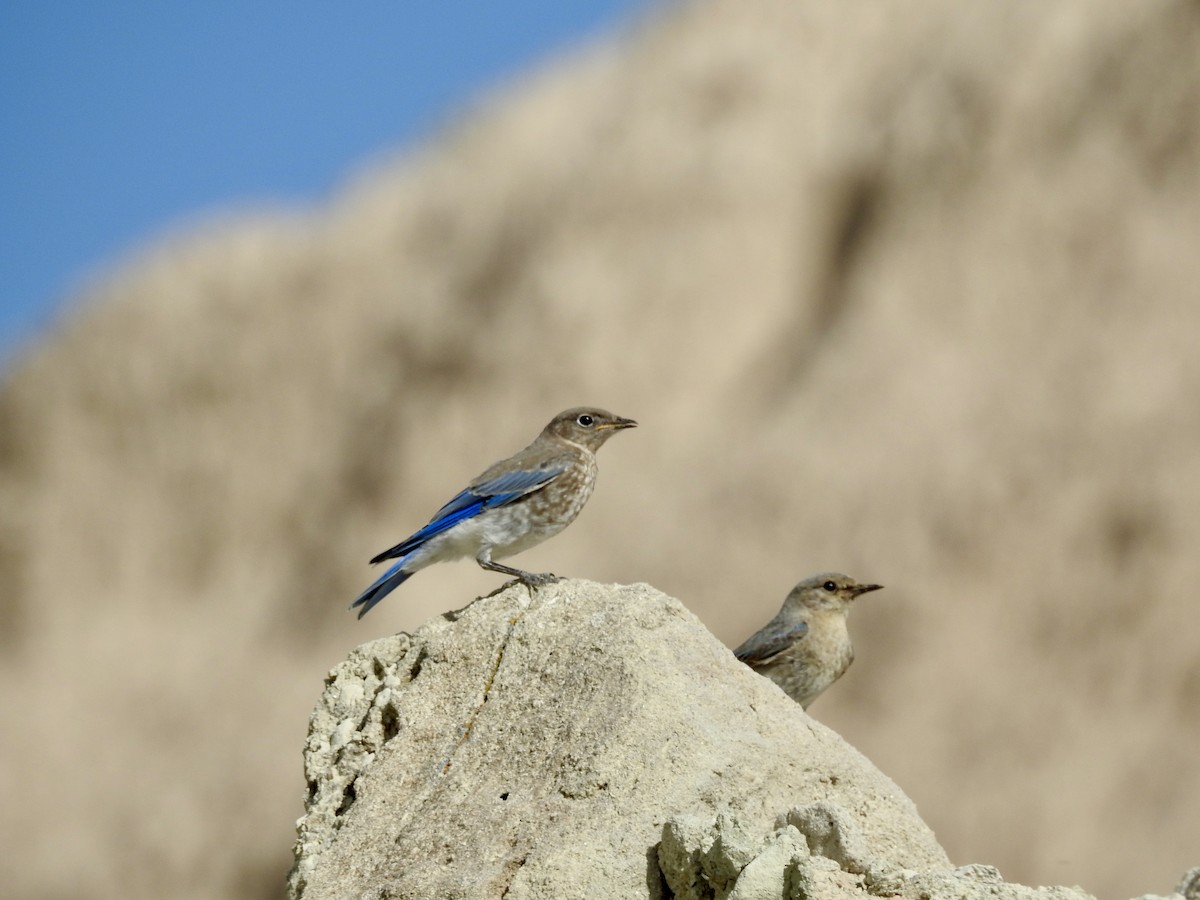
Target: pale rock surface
532 746
593 740
815 851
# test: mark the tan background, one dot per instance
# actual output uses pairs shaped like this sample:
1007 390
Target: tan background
906 289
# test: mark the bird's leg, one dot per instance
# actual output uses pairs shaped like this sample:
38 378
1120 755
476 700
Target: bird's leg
533 579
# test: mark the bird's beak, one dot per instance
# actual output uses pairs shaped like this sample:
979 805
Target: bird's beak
621 423
865 589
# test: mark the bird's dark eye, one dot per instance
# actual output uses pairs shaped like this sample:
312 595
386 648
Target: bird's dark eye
585 420
829 586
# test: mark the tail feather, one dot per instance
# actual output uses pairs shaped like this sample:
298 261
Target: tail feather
384 585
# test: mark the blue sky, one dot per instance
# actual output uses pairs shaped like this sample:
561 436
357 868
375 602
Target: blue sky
119 120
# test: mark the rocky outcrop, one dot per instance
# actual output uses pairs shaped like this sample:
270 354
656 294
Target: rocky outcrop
591 740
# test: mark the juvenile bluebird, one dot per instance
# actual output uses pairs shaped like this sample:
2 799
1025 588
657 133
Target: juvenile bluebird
806 647
517 503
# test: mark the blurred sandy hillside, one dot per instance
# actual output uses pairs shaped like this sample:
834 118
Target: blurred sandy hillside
906 289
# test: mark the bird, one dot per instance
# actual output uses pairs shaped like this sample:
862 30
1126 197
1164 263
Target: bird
806 647
513 505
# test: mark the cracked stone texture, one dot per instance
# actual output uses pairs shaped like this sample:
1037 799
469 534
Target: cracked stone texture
817 851
533 748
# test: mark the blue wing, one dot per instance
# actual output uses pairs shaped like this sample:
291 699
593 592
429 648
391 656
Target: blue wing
494 492
764 645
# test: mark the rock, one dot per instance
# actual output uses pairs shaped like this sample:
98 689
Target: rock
818 852
1187 889
533 745
596 738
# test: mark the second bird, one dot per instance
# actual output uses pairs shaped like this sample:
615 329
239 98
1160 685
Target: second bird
515 504
806 647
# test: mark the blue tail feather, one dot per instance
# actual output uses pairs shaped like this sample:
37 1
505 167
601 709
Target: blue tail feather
384 585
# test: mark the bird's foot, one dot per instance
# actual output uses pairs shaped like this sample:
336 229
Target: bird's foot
530 579
539 579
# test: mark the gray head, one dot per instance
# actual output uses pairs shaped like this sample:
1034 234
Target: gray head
587 426
828 591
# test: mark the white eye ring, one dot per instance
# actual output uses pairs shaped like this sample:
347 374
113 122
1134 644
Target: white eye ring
585 420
